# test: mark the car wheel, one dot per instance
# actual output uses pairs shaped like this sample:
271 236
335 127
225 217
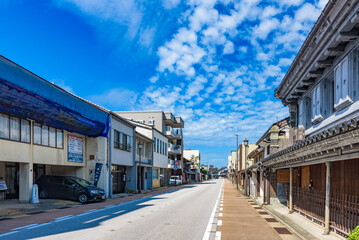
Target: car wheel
82 198
43 194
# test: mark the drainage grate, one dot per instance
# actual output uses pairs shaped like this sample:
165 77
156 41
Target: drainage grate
282 230
253 203
263 213
257 208
270 220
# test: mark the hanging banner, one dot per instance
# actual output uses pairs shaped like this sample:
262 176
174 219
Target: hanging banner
98 168
75 149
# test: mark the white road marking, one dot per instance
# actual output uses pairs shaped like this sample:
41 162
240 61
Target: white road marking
220 215
211 219
218 235
93 220
19 228
39 225
63 218
219 223
221 204
118 212
8 233
221 209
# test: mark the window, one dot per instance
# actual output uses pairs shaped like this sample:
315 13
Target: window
15 128
158 147
154 145
317 104
116 139
52 137
4 126
45 135
128 140
37 133
25 131
341 78
122 141
59 138
166 149
155 174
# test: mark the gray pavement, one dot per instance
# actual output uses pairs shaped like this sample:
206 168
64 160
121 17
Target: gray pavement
180 214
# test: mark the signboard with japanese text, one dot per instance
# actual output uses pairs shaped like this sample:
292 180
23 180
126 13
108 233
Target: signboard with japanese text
75 149
98 168
3 186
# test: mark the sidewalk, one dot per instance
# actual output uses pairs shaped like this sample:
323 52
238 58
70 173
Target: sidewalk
22 214
241 218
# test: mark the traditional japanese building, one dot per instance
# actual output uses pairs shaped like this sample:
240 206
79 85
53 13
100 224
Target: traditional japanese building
321 89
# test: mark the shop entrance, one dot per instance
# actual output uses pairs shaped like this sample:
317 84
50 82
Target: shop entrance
118 179
12 180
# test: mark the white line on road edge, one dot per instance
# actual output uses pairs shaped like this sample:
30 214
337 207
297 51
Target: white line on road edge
63 218
8 233
39 225
219 223
220 215
218 235
93 220
118 212
207 233
19 228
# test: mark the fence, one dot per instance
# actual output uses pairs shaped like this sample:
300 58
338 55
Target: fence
344 209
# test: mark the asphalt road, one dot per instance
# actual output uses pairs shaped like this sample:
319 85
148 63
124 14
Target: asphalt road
180 214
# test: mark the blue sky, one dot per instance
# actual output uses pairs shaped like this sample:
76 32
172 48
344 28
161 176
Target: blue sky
214 63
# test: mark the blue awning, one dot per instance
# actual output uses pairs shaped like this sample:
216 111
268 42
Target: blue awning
27 95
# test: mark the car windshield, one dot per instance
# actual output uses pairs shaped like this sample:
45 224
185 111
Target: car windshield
83 182
174 178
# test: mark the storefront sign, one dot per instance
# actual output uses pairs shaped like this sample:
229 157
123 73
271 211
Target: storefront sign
3 186
283 175
75 149
98 168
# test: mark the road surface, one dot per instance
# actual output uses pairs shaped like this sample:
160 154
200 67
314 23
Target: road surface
179 214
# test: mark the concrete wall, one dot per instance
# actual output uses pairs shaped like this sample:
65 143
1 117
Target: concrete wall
149 115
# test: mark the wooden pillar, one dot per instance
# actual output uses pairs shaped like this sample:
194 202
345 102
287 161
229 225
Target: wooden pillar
327 198
267 190
291 190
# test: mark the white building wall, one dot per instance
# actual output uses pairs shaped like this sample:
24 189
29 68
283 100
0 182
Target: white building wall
121 157
160 160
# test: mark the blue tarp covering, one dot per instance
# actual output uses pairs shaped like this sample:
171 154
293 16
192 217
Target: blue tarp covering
24 94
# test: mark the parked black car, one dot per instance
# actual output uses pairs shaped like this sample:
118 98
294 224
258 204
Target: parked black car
73 188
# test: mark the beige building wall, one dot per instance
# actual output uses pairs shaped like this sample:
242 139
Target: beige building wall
250 148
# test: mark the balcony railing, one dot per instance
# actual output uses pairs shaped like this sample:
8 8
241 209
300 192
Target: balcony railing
175 133
174 148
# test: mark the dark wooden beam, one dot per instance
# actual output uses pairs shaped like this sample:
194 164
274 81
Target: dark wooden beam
319 71
352 33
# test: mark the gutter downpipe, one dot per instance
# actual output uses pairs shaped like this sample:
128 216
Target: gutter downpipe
109 158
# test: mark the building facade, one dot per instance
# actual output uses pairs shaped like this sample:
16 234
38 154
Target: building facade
194 156
321 89
171 127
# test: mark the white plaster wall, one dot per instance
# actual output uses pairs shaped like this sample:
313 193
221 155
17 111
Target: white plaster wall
160 160
261 191
118 156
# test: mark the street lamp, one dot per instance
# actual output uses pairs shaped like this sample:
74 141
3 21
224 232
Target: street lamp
236 161
139 145
245 143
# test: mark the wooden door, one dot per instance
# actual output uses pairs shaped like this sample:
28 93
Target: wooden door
305 177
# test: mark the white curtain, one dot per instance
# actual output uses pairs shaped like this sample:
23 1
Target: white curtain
4 126
15 128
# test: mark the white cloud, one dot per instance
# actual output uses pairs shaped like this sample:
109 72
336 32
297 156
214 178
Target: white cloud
228 48
169 4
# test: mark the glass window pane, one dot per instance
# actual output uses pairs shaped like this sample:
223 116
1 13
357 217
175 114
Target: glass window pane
128 141
59 138
52 137
15 128
37 133
121 141
4 126
25 131
45 136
